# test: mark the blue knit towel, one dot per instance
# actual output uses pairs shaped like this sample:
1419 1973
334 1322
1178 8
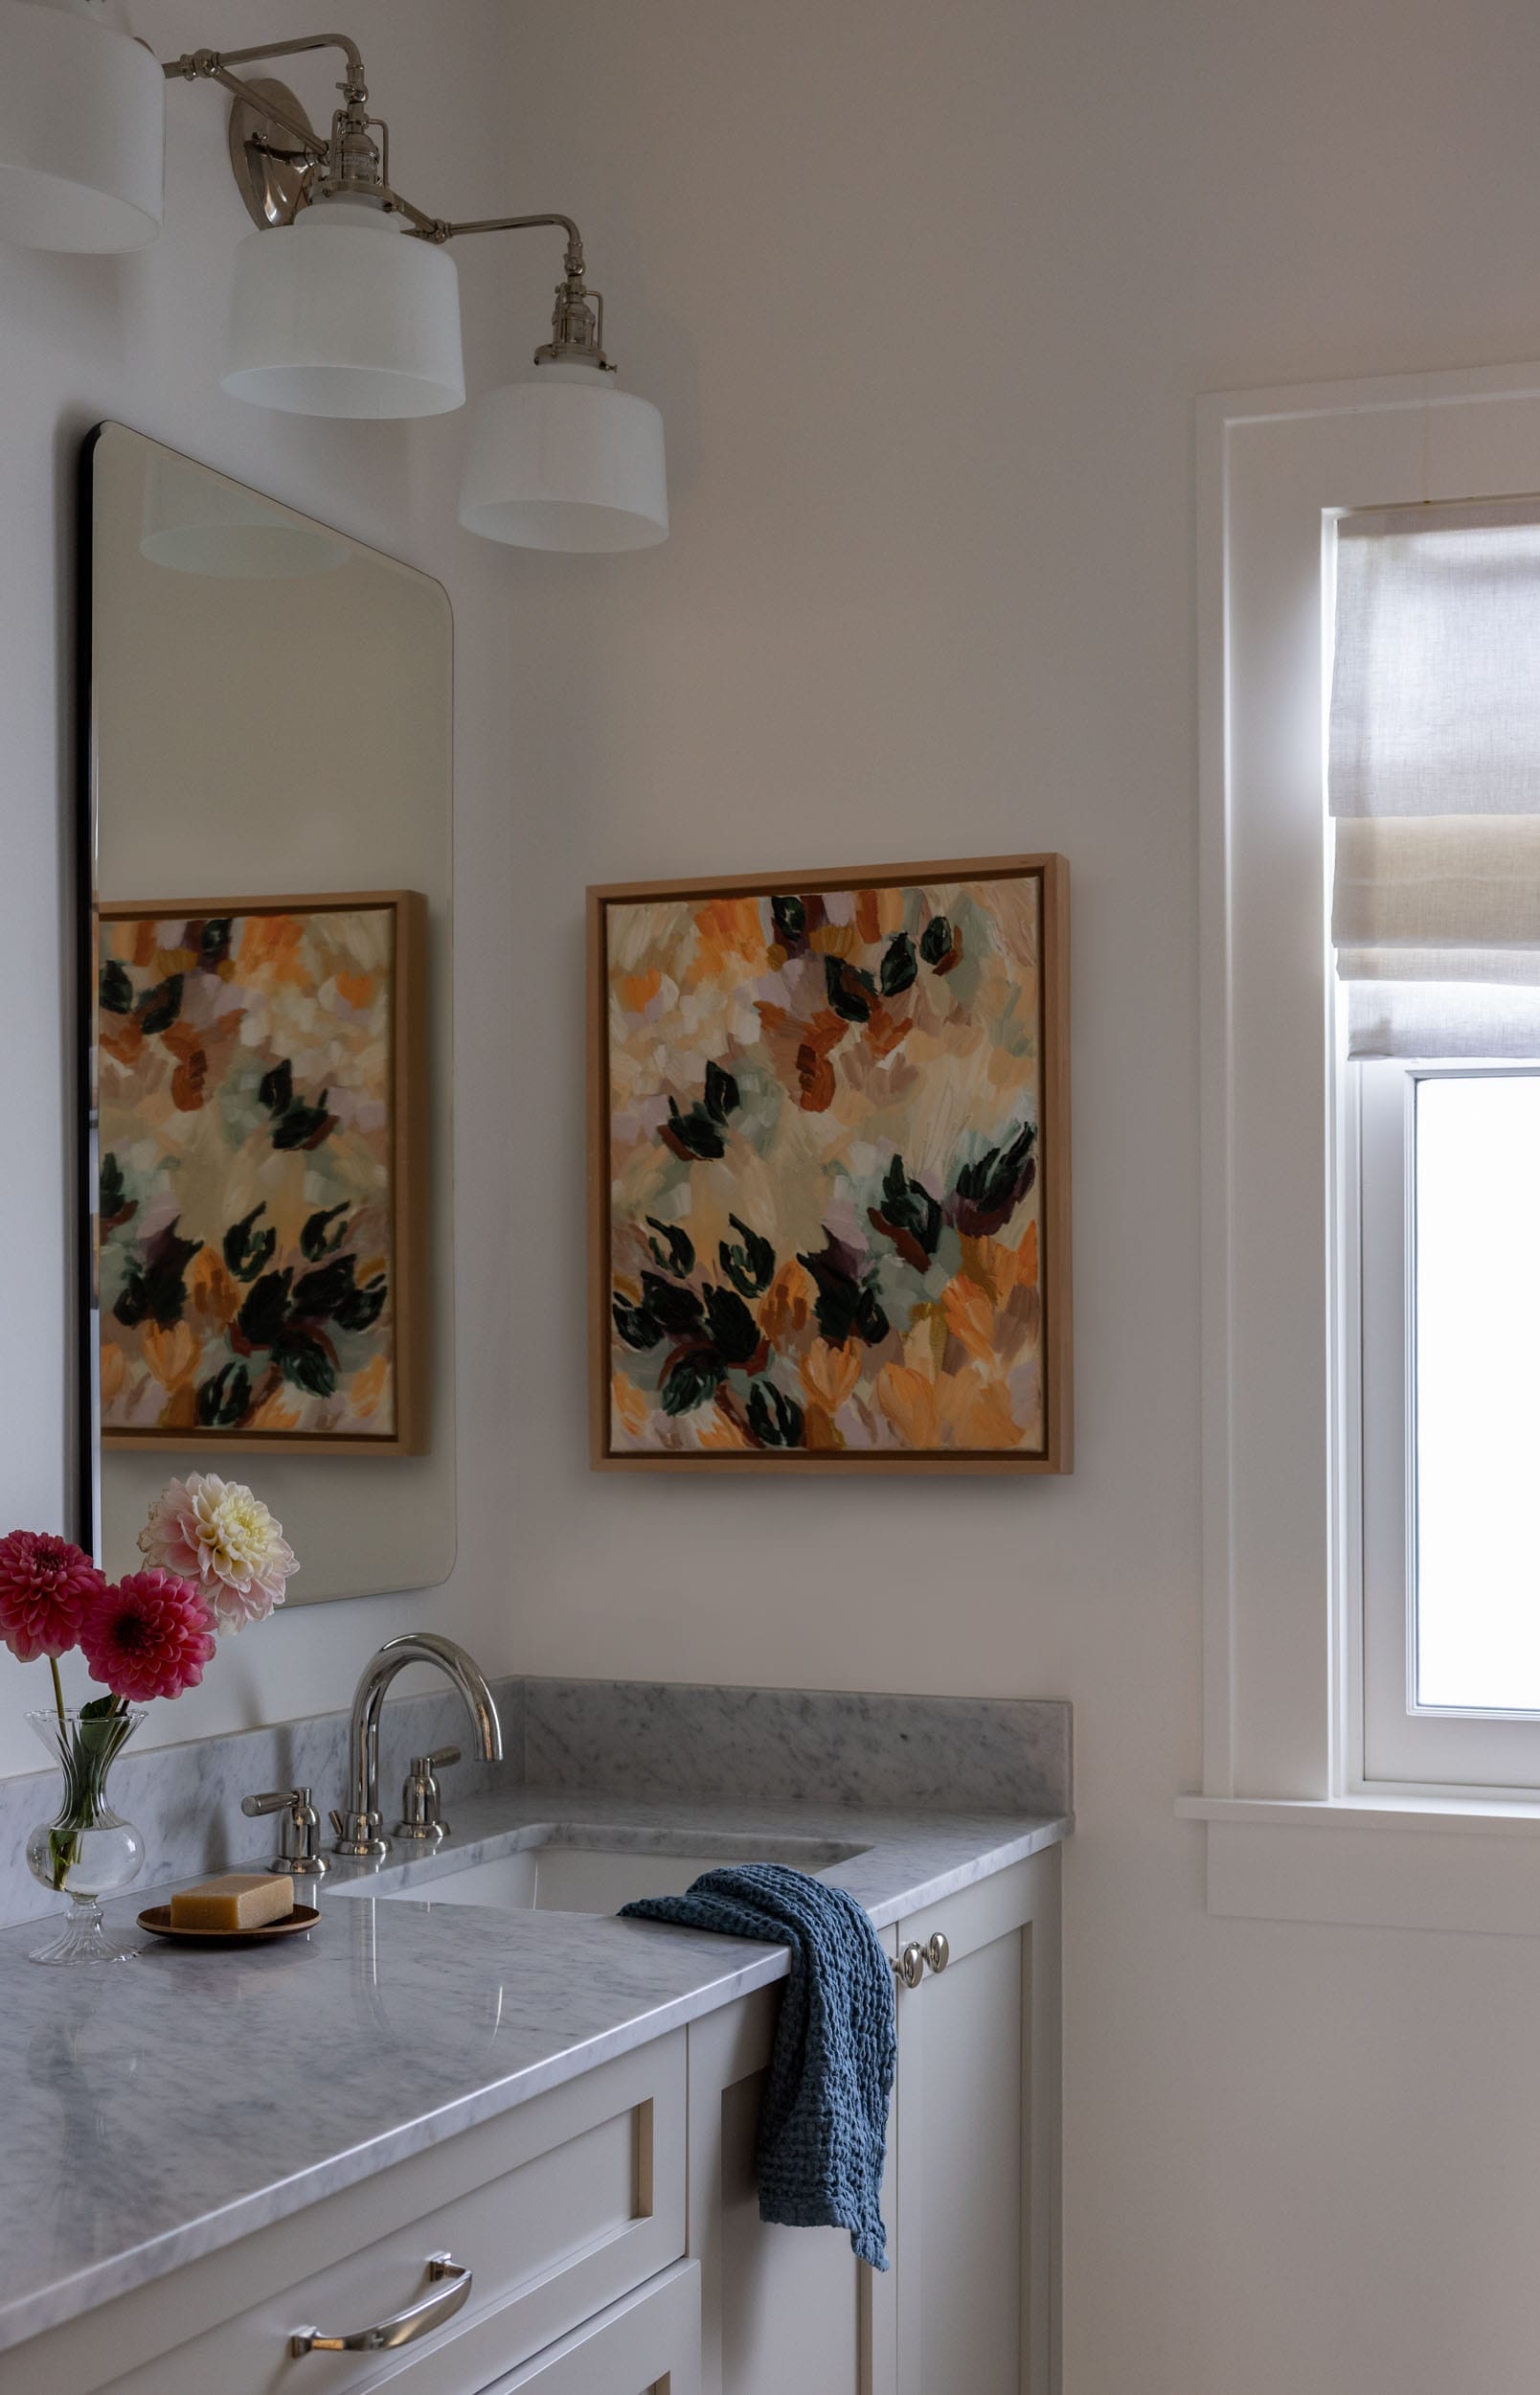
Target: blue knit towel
824 2121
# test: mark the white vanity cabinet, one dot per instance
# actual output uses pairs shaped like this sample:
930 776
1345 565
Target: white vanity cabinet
970 2198
604 2238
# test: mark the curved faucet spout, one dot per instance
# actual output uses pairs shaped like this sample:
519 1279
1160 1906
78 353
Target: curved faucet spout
360 1832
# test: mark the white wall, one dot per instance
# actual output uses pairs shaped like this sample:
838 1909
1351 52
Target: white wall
138 339
926 292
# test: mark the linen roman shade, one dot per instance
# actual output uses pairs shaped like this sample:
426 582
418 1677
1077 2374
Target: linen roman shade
1434 779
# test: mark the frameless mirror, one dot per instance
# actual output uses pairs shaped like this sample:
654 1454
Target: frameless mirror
265 926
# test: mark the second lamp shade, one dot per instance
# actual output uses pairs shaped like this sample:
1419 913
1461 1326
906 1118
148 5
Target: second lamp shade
342 313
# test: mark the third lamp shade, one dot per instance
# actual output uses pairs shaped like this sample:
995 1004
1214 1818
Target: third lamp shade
563 459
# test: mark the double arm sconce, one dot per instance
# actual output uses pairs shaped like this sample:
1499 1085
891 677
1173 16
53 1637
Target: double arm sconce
344 300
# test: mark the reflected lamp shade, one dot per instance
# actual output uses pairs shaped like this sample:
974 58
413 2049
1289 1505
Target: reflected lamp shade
83 131
342 313
194 522
563 459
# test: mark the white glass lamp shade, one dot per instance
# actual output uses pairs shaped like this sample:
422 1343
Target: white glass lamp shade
194 522
83 131
342 313
564 460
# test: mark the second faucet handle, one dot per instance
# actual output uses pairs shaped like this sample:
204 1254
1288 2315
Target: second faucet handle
420 1795
299 1850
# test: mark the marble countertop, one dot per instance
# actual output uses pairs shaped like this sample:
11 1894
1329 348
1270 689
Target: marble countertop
141 2130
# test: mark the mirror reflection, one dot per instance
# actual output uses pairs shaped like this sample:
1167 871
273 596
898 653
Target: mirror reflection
269 1070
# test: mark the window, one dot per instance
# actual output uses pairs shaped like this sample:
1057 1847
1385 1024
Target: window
1351 1339
1433 781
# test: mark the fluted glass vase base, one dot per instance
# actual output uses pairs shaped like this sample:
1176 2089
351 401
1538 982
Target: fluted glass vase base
84 1938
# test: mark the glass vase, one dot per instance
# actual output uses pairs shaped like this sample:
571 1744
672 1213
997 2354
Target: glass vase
86 1852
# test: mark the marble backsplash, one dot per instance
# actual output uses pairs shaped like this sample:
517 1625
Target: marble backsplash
645 1739
669 1738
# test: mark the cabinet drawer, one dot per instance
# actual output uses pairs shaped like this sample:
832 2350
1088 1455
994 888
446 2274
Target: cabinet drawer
647 2345
556 2209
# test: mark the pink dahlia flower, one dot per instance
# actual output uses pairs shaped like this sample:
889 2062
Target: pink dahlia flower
149 1635
217 1533
45 1586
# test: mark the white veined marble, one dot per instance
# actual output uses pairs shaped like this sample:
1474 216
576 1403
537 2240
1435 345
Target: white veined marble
141 2126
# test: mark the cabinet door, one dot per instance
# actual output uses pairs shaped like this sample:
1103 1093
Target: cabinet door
781 2308
976 2140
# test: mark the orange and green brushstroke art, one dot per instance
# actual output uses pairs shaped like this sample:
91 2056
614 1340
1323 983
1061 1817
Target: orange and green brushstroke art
824 1178
246 1216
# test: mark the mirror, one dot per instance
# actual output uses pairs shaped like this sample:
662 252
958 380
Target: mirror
265 919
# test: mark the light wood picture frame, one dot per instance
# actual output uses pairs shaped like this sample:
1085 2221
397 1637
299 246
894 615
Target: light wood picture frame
828 1177
261 1229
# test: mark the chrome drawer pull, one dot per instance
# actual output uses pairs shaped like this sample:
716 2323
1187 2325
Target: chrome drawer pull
403 2328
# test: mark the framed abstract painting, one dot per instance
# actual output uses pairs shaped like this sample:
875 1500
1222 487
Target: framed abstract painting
259 1172
829 1171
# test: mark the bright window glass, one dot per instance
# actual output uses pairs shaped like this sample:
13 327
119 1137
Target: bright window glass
1476 1296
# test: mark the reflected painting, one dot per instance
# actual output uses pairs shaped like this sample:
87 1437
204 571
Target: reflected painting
257 1068
830 1171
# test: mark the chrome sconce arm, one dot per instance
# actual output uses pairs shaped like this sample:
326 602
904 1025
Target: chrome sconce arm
352 162
355 312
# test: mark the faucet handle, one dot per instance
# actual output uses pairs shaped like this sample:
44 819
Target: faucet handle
299 1850
420 1818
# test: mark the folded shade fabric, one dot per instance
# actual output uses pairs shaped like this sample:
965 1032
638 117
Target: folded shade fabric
824 2120
1434 778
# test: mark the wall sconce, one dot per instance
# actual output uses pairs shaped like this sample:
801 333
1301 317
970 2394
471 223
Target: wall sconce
344 302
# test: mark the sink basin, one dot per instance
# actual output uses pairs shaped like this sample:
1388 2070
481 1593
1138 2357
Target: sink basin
554 1869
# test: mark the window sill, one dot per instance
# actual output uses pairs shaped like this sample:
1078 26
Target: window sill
1469 1864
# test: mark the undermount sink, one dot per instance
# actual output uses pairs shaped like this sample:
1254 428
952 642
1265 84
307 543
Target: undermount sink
550 1868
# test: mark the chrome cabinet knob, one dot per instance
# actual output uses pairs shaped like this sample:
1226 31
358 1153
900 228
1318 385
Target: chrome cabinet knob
911 1965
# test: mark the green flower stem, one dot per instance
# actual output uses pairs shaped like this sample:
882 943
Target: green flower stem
86 1754
63 1848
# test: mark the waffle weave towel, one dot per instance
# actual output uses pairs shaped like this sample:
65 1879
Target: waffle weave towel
824 2121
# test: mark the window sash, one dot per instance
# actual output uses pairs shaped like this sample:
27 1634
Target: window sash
1403 1742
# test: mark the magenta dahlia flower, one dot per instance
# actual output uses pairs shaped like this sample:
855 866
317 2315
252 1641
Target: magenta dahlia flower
147 1635
45 1587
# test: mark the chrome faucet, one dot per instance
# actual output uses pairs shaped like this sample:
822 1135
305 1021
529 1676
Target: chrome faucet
359 1830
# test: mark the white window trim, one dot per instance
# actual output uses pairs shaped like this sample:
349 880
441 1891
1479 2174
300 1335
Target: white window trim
1281 1680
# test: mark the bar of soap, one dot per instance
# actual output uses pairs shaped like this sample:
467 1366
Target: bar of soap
239 1900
